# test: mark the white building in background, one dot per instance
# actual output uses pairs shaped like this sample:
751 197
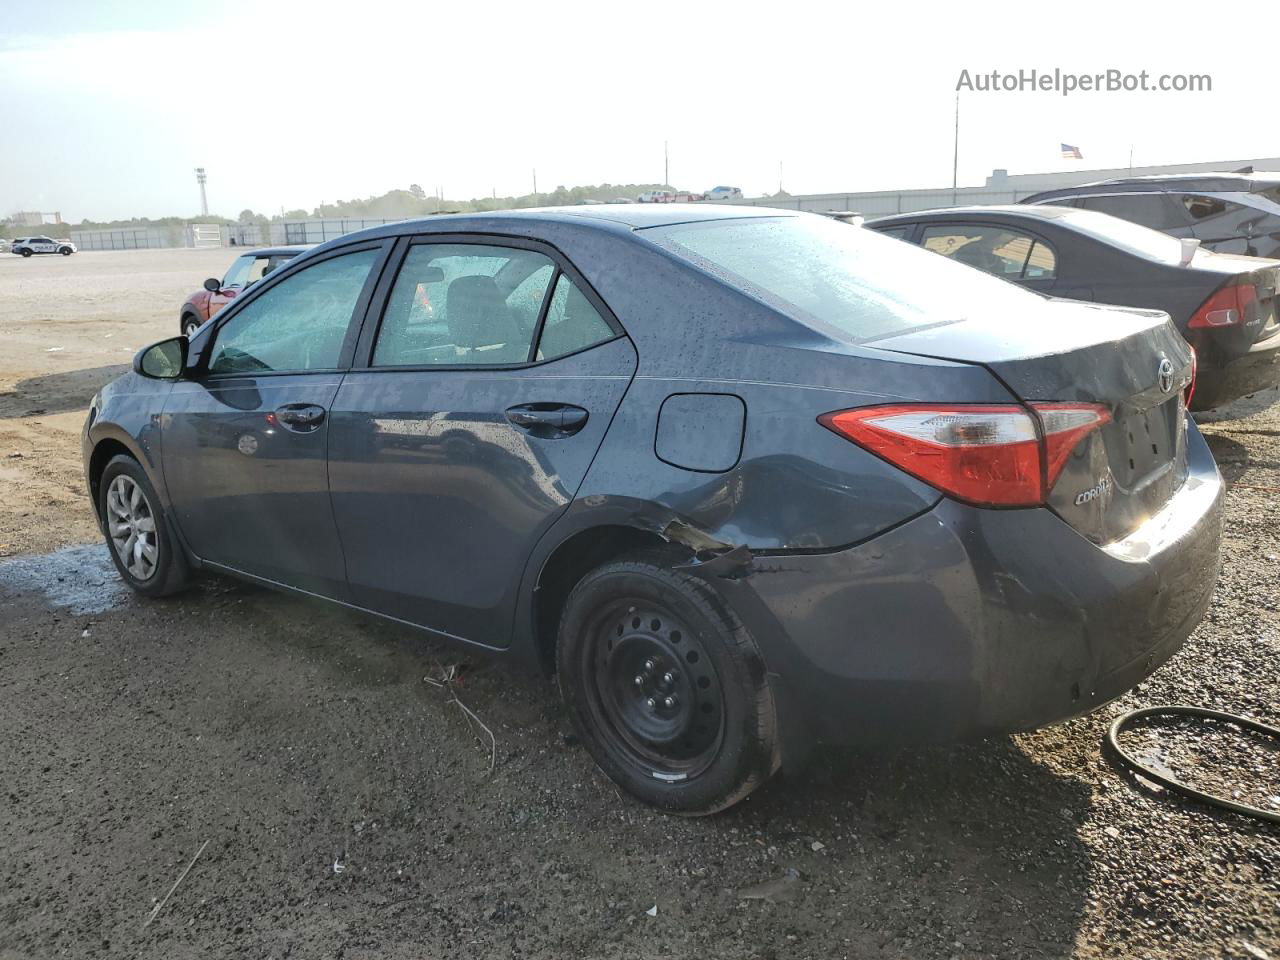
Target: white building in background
34 218
1001 187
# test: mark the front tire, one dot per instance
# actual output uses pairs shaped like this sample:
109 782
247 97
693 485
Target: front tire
139 538
190 324
666 687
65 251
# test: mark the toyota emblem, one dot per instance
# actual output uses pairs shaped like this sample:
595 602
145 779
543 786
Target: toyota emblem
1165 375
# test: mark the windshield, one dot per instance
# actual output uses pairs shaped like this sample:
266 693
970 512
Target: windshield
1128 236
838 277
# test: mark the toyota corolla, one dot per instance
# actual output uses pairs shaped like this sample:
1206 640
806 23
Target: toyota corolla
742 480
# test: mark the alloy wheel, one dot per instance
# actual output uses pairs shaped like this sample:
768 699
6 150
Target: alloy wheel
131 525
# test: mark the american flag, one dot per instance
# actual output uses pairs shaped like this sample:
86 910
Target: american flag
1071 153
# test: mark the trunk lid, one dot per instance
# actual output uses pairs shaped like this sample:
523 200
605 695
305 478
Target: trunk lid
1132 362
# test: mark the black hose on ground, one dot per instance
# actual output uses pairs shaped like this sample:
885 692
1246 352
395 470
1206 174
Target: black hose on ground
1177 786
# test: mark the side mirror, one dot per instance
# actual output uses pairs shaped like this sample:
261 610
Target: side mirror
213 284
162 361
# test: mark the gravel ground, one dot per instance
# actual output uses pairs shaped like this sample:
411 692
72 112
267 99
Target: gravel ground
347 808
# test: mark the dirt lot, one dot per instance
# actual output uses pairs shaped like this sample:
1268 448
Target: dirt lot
348 809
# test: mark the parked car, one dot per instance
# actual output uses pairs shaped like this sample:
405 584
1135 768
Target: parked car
723 193
28 246
246 269
1225 306
1227 212
656 196
743 482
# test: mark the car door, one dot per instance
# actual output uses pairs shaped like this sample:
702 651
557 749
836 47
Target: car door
43 245
1002 250
467 427
244 439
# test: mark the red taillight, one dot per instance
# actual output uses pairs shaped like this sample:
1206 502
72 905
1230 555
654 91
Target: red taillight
986 455
1227 306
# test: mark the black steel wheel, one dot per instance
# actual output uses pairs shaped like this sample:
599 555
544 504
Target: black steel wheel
666 687
656 693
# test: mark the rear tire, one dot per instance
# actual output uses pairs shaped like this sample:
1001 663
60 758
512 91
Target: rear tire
141 543
26 253
666 687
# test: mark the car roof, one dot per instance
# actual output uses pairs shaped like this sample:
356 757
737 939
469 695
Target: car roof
275 251
1002 212
1157 183
614 217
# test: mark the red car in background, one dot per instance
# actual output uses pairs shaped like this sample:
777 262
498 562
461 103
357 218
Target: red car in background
248 267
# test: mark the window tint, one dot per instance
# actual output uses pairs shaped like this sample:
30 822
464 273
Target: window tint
1154 210
572 323
462 304
1004 253
848 280
299 324
1201 207
238 274
898 233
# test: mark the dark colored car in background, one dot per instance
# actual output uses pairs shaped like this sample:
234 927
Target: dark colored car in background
246 269
744 482
1226 306
1227 212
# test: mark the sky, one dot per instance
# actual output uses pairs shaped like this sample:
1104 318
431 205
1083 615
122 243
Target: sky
108 106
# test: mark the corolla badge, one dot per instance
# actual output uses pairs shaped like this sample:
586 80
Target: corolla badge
1164 373
1094 492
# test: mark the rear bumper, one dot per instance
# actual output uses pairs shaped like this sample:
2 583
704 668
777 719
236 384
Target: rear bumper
965 622
1220 381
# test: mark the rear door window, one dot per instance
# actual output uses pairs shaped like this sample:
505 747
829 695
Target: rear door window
463 304
996 250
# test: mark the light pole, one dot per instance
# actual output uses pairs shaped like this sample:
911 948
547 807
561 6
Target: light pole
204 201
955 154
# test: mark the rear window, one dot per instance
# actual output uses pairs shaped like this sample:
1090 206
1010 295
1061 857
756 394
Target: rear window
849 280
1270 193
1128 236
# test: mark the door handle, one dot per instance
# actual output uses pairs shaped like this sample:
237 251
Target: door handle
300 417
548 420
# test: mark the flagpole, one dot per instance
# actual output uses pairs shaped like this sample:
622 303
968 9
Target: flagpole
955 155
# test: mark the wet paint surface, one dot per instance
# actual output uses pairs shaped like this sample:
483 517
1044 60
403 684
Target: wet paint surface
81 579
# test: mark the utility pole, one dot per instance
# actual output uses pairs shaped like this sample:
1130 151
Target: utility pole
1131 158
535 183
666 165
204 201
779 176
955 155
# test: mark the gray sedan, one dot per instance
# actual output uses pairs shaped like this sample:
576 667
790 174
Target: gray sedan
745 481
